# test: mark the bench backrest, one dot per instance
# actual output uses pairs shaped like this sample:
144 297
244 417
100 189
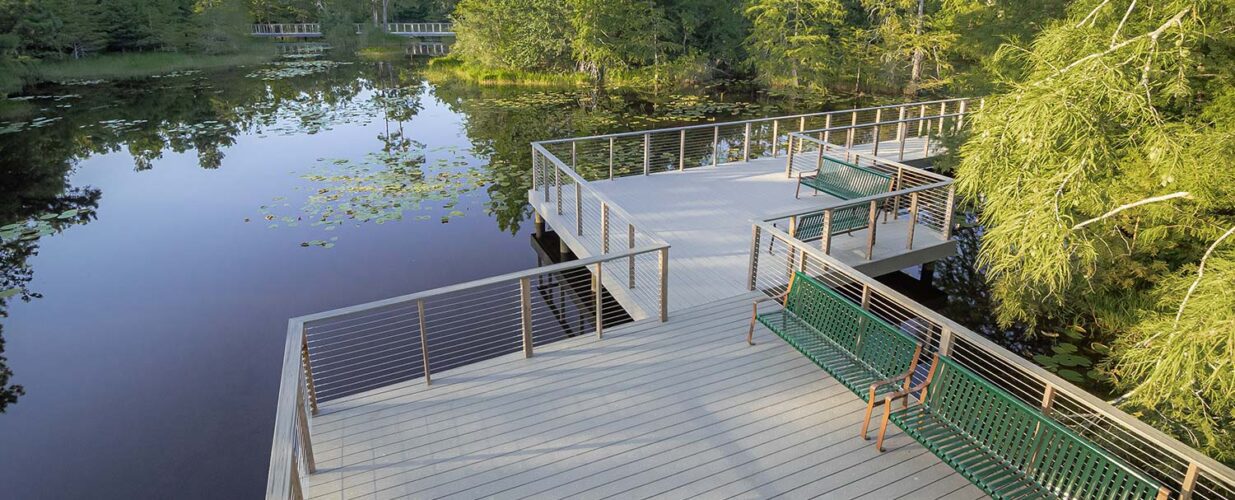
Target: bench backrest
1051 454
844 220
882 348
849 180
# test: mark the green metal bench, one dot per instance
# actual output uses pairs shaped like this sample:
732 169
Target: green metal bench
858 349
844 220
844 180
1004 446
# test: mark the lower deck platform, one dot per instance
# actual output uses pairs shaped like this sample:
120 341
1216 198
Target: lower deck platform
683 409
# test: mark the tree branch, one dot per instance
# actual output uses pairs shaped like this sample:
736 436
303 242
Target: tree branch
1092 13
1200 272
1174 20
1146 201
1115 35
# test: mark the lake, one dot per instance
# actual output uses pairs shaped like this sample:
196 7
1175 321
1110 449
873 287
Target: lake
163 230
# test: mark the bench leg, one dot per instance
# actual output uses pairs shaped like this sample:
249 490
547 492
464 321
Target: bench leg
750 334
883 426
866 420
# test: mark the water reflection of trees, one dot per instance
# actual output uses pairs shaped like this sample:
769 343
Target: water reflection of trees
148 118
34 181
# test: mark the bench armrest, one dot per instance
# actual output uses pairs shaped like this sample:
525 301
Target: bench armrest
887 381
905 393
754 313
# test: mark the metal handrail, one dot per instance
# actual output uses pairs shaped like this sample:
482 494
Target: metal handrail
292 446
940 334
752 120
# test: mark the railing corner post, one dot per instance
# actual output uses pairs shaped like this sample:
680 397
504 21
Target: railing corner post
664 284
753 267
424 340
525 308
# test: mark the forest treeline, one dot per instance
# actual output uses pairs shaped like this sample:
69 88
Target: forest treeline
885 46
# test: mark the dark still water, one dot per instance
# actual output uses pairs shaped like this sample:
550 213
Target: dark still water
158 234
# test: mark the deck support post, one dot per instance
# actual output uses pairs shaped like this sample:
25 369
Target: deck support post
664 284
647 153
900 134
630 261
898 183
873 222
943 111
801 123
753 267
296 492
866 297
853 122
825 240
600 313
578 209
949 212
775 136
557 181
604 227
1048 399
308 371
945 341
1189 483
875 131
746 143
424 339
819 157
525 308
913 218
827 129
716 145
926 140
789 157
960 118
921 118
682 151
610 157
574 156
306 438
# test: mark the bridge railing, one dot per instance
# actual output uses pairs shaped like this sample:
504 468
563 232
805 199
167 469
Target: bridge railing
337 355
419 28
288 29
924 198
315 29
649 152
1187 472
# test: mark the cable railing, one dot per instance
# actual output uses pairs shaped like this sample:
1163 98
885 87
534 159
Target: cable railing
315 29
345 354
924 198
1187 472
649 152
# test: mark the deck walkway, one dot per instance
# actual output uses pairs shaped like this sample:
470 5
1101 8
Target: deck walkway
705 213
683 409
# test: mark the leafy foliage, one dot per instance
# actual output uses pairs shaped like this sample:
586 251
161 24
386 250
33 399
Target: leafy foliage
1101 175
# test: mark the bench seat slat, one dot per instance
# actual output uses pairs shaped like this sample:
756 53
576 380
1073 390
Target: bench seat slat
1008 448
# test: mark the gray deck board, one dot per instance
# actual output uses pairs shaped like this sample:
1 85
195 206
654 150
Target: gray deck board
683 409
705 214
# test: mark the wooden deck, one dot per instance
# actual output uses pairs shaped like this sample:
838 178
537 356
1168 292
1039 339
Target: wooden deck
705 214
683 409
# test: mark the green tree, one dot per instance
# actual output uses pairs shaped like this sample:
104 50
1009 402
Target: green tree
1101 174
616 34
795 39
514 34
